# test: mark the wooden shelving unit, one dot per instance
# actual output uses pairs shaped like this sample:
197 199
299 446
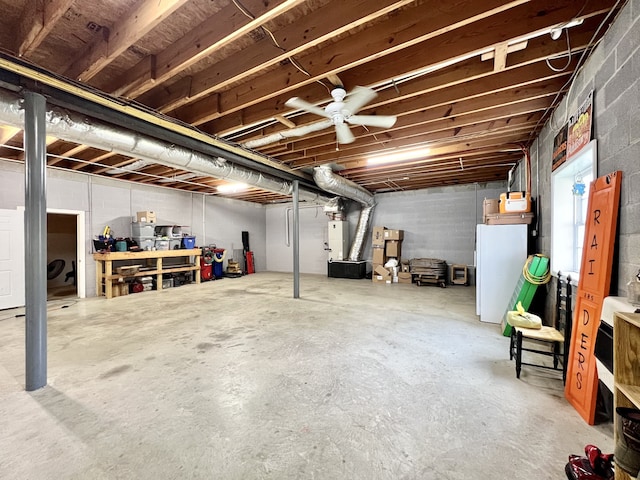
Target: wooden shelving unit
626 366
106 277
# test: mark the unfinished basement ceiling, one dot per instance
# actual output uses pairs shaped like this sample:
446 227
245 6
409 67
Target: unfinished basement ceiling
472 81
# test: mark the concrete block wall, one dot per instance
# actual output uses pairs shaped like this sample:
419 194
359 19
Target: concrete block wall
438 223
112 202
613 72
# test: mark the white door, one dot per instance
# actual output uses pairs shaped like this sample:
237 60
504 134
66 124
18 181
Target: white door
11 258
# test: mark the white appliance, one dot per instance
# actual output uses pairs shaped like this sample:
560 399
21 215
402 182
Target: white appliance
338 240
501 252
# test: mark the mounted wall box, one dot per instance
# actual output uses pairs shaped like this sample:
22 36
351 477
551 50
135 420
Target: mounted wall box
515 202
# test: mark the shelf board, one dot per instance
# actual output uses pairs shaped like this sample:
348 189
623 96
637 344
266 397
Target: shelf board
632 392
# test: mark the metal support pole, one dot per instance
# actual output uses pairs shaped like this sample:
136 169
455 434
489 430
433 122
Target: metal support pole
35 228
296 242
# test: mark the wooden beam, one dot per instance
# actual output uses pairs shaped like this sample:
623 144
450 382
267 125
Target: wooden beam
408 27
214 33
378 72
357 158
136 23
500 57
66 154
37 20
7 133
524 77
482 109
341 55
460 134
285 121
294 39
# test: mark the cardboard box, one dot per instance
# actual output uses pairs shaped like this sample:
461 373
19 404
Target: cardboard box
393 234
404 267
490 206
404 277
146 216
509 218
377 239
380 279
379 256
393 248
380 270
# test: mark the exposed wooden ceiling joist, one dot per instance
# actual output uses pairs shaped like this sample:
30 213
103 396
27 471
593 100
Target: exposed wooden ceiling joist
228 67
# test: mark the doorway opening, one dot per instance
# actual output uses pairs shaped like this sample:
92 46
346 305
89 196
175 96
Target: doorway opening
65 254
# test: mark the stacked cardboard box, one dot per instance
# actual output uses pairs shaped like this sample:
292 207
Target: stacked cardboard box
386 244
491 214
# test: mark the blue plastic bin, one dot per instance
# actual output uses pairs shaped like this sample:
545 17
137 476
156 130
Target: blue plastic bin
188 242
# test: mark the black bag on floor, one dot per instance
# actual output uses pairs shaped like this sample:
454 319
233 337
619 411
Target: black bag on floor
595 465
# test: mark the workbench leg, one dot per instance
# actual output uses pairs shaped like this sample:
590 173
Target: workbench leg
108 284
159 275
99 266
197 270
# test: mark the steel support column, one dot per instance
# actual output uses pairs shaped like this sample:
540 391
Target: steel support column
35 228
296 242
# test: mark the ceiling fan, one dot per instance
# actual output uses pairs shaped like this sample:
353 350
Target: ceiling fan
342 113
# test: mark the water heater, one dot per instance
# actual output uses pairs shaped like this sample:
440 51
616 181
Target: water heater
338 240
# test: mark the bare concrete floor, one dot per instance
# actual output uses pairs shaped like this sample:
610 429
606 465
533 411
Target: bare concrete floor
234 379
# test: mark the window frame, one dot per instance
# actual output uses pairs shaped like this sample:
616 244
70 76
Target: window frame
564 227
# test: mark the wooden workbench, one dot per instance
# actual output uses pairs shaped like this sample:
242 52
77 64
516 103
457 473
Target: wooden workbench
105 270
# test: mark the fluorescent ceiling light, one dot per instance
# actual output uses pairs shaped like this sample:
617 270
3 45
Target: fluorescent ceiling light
398 156
232 187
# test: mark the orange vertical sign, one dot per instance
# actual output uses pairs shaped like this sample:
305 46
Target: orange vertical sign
595 279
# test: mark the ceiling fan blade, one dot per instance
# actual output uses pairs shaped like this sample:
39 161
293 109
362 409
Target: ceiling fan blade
298 103
343 133
358 98
382 121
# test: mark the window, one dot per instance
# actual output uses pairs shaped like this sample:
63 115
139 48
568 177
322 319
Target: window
570 196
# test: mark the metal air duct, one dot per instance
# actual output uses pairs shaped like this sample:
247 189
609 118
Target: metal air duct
73 127
329 181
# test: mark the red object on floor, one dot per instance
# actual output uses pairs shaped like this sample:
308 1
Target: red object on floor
206 271
250 267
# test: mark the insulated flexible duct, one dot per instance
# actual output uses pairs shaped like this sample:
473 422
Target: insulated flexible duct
73 127
329 181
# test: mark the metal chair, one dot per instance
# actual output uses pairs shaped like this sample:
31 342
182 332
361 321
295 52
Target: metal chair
550 341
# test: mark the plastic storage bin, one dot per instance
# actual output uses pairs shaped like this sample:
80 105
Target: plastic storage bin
145 243
175 243
142 229
188 242
162 244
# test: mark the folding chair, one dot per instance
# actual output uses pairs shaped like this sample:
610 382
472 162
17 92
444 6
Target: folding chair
550 341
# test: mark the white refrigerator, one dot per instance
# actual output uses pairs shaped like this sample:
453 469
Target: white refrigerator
501 252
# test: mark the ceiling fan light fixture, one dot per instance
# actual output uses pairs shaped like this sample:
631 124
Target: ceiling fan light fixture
232 187
398 156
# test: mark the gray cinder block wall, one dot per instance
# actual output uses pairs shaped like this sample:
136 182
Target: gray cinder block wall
438 223
613 73
211 219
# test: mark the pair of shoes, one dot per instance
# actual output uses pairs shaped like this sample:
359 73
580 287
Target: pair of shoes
595 465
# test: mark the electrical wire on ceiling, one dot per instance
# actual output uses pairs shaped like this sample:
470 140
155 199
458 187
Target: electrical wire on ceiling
548 60
293 61
569 83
